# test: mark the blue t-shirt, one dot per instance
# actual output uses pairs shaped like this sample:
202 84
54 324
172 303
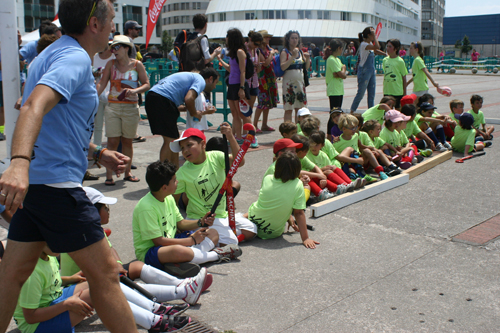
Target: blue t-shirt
176 86
22 76
60 152
28 51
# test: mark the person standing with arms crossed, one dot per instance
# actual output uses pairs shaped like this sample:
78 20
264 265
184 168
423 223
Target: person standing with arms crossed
50 146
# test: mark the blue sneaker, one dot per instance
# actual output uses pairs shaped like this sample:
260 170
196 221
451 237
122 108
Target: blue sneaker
254 143
383 176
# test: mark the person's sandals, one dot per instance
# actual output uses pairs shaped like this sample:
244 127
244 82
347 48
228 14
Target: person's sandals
109 182
139 139
132 179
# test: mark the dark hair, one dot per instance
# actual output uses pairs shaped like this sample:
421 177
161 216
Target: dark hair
73 14
364 35
327 52
420 48
209 72
49 29
309 125
388 123
335 44
369 125
301 139
159 174
424 99
408 109
255 36
235 42
215 143
386 99
286 39
98 206
359 118
396 43
475 98
287 167
199 21
287 127
317 137
45 41
42 26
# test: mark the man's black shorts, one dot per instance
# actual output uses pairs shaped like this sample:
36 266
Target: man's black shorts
162 115
65 218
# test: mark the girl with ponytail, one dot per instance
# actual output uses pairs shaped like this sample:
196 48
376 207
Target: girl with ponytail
419 71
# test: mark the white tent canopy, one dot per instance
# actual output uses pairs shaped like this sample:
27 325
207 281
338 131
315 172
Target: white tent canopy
35 35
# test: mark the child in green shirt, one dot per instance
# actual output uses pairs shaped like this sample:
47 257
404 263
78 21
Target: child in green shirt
427 121
419 71
395 138
301 115
465 135
288 129
476 102
412 131
335 75
395 72
378 111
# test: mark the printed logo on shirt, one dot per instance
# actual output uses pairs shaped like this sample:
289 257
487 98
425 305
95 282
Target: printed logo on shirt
207 186
261 224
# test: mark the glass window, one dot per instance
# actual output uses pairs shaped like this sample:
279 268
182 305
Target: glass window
222 16
308 14
301 14
364 18
345 16
249 16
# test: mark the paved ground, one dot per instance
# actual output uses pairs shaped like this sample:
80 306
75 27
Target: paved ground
384 264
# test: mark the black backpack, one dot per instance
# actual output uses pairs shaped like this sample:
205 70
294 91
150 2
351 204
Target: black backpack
187 48
249 67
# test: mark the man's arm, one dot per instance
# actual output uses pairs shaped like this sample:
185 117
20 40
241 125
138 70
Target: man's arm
190 105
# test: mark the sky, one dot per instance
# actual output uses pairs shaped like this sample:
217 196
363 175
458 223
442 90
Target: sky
468 7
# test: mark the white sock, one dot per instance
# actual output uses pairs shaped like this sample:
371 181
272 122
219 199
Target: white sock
134 297
206 245
428 130
149 274
439 126
201 257
144 317
165 293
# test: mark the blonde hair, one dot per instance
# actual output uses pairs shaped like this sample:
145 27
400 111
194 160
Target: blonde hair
455 103
347 121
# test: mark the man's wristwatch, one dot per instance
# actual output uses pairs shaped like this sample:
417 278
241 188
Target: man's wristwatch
242 87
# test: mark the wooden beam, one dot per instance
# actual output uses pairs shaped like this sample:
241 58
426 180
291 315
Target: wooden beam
333 204
428 164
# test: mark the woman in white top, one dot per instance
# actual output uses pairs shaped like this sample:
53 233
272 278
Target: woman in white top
366 69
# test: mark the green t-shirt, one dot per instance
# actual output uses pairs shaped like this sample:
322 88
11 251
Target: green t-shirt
411 128
331 152
452 116
299 129
343 143
69 266
374 113
403 139
478 118
367 141
201 183
394 70
42 287
306 164
463 138
391 137
153 219
321 160
334 85
418 119
269 171
276 202
419 77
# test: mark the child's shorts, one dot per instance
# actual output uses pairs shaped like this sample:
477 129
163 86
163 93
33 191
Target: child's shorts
226 235
151 258
60 323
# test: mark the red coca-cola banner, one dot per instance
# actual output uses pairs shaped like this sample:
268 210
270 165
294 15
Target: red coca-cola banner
154 11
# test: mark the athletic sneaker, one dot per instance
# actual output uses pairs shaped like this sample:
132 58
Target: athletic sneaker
341 189
359 183
240 141
441 148
419 158
254 143
171 309
447 145
487 143
351 187
383 176
325 194
194 287
405 165
369 179
394 172
182 270
228 252
170 324
425 152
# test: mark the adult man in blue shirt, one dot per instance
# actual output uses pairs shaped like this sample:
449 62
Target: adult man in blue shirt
53 133
163 100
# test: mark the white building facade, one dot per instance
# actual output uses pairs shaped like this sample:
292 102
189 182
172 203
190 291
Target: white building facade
318 20
177 15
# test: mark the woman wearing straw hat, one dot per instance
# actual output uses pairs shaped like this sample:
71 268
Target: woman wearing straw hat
268 90
122 112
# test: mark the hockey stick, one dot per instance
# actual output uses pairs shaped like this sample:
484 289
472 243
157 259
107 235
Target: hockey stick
129 283
226 187
461 160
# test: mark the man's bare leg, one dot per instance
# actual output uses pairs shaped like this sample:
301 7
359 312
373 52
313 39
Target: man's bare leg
167 154
18 262
99 266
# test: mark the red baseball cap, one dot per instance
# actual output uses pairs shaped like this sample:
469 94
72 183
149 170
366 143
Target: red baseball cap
408 99
176 147
285 143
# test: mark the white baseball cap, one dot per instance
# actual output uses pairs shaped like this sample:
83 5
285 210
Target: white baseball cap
96 196
303 112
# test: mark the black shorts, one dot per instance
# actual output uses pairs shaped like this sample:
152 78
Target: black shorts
254 91
398 101
162 115
65 218
234 89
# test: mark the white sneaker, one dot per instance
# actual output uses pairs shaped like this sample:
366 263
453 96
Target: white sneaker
341 189
447 145
359 183
325 194
351 187
194 286
440 147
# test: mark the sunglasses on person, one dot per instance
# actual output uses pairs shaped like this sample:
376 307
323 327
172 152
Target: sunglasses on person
94 7
354 129
116 47
137 29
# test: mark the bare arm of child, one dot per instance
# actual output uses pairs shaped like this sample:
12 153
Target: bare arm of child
341 74
199 235
74 304
225 129
223 63
409 81
75 278
300 218
316 172
363 147
185 225
346 158
423 136
404 85
434 83
405 150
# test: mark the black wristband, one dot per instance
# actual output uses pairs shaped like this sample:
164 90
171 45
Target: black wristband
194 240
199 223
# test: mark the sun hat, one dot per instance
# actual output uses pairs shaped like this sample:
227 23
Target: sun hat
395 116
264 33
121 39
176 147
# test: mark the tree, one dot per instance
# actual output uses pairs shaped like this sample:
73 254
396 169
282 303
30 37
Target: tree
167 43
463 45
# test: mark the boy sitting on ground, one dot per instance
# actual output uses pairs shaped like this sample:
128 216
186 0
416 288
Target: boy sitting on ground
288 129
476 103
